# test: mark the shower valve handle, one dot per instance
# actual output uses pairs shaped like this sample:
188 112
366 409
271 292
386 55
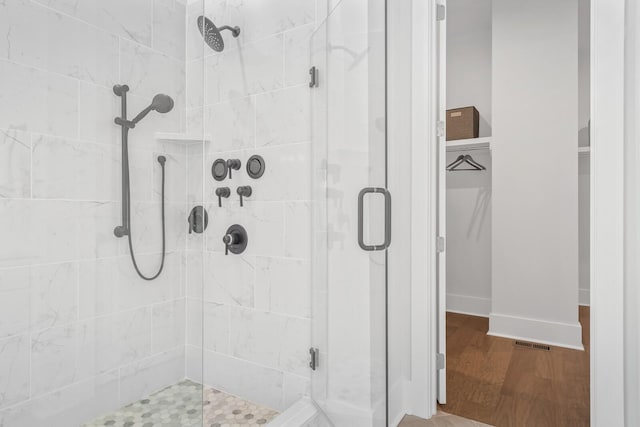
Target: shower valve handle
222 192
235 240
233 164
244 191
230 239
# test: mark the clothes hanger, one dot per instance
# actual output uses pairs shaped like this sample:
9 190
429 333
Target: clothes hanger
456 162
472 161
465 158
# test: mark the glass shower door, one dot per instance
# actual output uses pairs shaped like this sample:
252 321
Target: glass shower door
351 214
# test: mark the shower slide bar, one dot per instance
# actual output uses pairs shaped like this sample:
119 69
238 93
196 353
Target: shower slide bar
162 104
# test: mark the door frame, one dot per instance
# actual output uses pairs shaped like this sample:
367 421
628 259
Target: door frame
424 209
607 211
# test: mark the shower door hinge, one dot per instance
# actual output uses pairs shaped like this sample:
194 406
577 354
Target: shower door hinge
313 77
441 13
439 361
440 127
440 244
315 355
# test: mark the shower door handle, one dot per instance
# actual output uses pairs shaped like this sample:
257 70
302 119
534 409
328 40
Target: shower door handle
387 218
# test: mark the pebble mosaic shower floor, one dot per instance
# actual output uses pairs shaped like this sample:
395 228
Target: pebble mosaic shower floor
185 404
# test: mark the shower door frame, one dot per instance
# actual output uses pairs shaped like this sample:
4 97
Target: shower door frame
419 394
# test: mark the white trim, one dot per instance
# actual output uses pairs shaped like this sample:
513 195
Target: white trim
607 212
567 335
397 399
465 304
422 389
440 95
297 415
584 297
469 144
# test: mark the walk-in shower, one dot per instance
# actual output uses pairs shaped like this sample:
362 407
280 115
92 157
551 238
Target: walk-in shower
118 305
162 104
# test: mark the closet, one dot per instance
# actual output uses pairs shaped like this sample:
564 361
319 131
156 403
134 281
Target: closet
472 239
468 193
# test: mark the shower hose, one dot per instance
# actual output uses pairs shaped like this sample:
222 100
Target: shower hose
161 160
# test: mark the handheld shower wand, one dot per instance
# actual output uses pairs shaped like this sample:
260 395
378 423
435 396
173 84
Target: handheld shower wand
162 104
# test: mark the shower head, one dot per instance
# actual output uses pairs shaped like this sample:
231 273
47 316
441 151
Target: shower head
211 33
161 103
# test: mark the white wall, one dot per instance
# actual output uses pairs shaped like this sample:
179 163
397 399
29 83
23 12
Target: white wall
632 211
469 58
535 176
80 333
469 193
584 226
469 237
252 309
584 168
469 83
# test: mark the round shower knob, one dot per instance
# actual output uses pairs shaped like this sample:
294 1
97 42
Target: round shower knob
219 169
255 166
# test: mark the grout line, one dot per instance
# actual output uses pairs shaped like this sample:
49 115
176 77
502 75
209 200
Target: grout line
29 341
104 316
255 120
284 60
83 260
78 96
251 309
119 379
250 42
77 265
249 362
152 22
119 60
30 166
221 102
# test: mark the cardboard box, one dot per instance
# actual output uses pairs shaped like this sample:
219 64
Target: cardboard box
463 123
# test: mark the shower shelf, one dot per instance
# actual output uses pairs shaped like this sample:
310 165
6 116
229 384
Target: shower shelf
181 137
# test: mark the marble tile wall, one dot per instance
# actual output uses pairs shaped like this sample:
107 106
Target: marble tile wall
80 333
248 315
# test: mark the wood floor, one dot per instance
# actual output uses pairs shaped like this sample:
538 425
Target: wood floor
441 419
491 380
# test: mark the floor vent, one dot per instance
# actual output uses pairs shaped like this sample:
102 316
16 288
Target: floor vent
533 345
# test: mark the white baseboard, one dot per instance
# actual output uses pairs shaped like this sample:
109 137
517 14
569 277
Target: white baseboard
584 297
299 414
469 305
399 401
558 334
